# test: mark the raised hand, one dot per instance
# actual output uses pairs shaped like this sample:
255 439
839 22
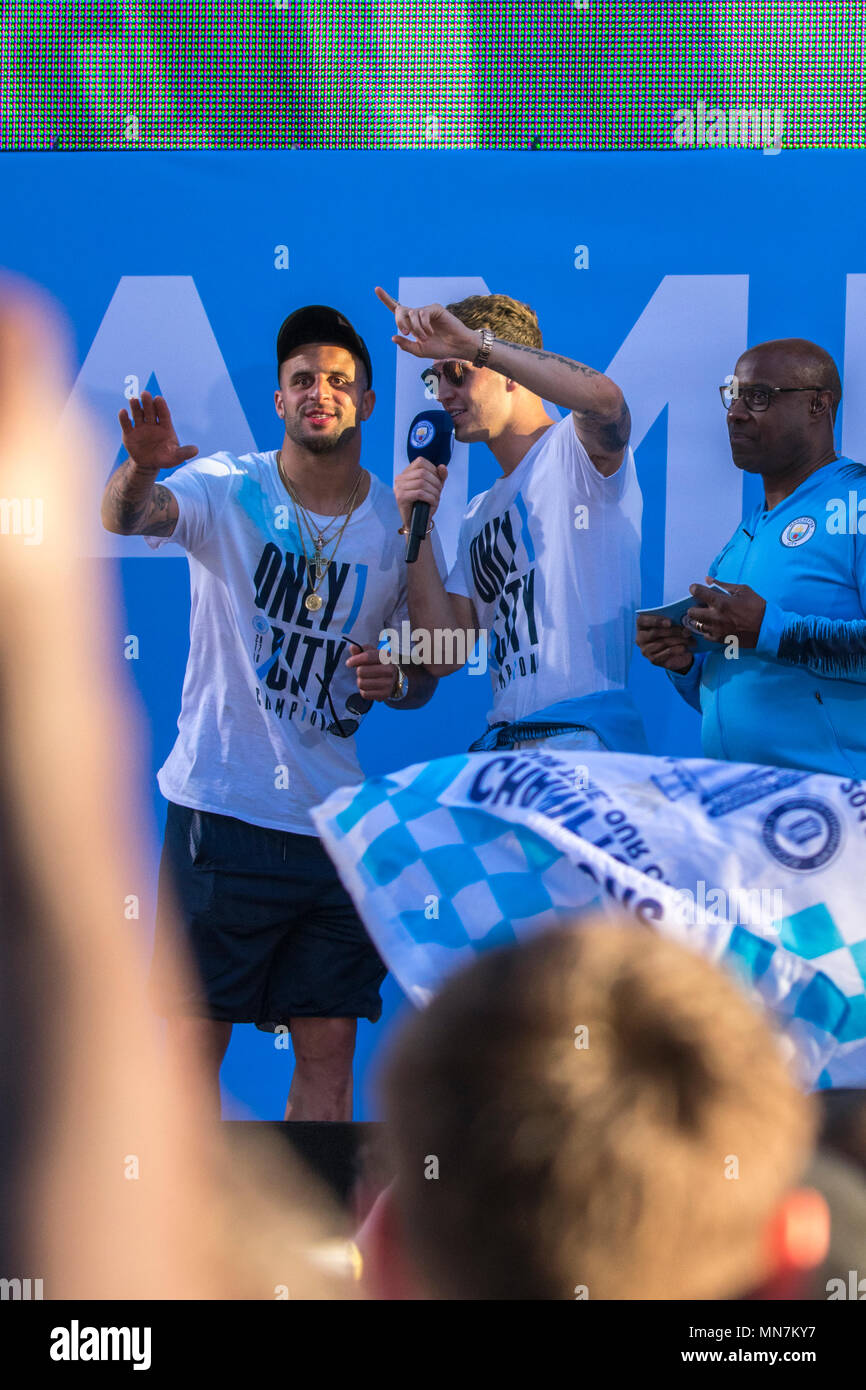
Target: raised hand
149 437
438 334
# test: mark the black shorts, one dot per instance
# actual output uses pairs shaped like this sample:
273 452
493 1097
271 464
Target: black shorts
272 932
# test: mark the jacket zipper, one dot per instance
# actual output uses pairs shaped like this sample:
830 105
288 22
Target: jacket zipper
831 726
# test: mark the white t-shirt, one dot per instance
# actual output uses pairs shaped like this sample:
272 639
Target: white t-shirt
253 738
550 556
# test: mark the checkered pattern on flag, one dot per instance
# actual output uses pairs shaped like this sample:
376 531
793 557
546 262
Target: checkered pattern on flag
761 868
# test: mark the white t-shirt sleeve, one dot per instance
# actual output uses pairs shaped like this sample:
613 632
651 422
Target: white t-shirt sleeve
595 483
201 490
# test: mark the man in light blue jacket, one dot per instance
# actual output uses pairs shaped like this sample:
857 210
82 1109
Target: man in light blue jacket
785 680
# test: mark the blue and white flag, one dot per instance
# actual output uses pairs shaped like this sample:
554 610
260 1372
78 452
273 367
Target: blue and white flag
762 868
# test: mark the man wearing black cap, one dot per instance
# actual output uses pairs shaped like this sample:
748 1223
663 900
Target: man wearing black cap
294 572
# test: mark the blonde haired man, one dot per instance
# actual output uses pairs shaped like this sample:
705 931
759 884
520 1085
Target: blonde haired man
548 558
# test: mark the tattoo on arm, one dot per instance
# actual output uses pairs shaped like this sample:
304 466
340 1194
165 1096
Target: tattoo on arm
610 435
162 517
135 505
544 356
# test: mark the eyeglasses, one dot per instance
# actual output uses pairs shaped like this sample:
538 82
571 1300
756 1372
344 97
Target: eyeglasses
453 372
757 398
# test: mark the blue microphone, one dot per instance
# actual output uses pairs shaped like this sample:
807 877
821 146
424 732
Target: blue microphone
431 436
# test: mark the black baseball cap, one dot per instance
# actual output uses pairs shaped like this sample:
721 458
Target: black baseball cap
318 323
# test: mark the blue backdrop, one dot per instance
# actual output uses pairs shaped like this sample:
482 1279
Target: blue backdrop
177 269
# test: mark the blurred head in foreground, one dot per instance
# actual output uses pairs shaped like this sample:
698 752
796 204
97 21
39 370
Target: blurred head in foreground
598 1113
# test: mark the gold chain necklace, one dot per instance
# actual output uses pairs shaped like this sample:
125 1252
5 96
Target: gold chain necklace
313 600
321 536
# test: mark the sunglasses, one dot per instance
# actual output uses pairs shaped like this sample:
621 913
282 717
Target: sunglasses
454 372
342 728
345 728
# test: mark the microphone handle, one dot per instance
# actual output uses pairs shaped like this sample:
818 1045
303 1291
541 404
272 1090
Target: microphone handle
418 524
